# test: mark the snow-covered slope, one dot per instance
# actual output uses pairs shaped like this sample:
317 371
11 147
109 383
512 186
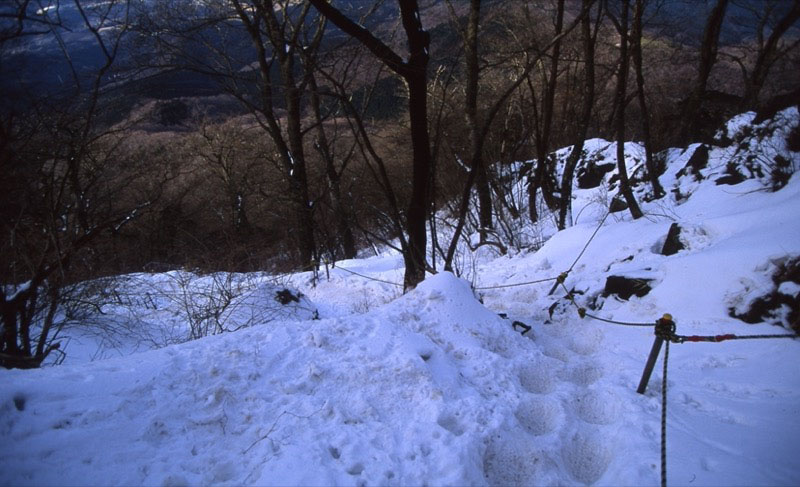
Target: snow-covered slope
434 388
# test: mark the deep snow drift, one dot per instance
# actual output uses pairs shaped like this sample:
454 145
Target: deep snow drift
433 387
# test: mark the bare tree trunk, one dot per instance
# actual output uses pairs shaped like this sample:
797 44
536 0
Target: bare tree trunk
708 56
471 113
477 176
418 206
285 51
589 40
622 85
414 72
636 45
540 176
341 213
261 21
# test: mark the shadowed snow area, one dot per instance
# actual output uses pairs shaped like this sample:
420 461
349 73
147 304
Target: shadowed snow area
354 383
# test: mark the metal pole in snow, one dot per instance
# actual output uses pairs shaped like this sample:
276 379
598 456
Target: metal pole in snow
665 330
651 363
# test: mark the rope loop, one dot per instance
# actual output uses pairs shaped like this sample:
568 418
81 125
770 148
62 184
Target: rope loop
665 328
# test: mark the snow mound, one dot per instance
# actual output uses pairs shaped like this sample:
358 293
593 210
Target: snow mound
419 389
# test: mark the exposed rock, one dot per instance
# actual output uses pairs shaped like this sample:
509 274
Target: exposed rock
673 242
781 172
698 161
591 175
776 104
732 175
285 296
782 305
618 203
625 287
793 139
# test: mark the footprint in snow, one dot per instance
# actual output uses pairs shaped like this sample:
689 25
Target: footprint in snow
356 469
598 407
517 460
586 342
156 432
538 376
585 374
538 415
553 349
587 454
335 452
451 423
174 481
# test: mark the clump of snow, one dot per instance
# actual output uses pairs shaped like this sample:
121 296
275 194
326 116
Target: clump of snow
789 288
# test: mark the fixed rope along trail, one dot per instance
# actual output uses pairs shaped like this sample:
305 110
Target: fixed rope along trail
664 419
582 311
499 286
562 276
599 226
370 278
664 329
665 332
722 338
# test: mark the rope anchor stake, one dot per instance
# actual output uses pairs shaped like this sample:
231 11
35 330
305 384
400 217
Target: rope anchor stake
664 330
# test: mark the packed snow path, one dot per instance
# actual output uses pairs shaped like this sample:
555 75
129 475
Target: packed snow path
398 396
429 389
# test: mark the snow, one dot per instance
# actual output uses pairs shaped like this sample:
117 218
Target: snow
13 291
789 288
433 387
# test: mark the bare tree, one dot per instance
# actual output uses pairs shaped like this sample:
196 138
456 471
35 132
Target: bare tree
620 102
277 34
477 134
636 48
708 56
226 152
67 186
589 42
270 77
388 223
777 18
544 126
480 127
333 172
414 73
